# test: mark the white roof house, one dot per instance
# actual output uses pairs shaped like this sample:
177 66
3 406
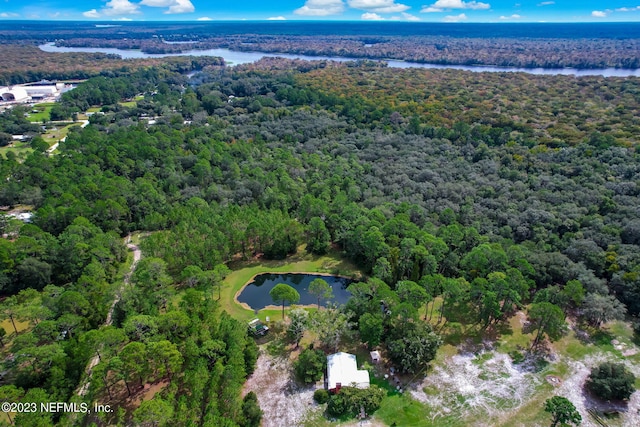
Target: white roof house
342 371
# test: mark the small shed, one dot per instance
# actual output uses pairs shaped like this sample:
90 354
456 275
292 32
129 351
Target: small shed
375 356
342 371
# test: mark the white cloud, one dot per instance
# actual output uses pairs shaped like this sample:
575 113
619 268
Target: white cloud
628 9
277 18
320 8
204 18
546 3
157 3
122 19
120 7
442 5
379 6
181 6
175 6
8 15
409 17
371 17
599 14
514 16
454 18
91 14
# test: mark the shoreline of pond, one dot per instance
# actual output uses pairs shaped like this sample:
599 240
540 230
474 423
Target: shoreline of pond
277 307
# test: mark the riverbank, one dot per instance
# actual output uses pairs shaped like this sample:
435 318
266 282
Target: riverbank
232 57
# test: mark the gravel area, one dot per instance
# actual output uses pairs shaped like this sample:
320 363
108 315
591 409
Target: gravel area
283 401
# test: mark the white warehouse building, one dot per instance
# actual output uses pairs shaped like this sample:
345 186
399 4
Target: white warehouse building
16 94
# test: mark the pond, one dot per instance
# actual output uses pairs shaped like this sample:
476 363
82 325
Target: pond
256 293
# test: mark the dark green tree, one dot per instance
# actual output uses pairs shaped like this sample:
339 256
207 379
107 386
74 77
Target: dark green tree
562 411
611 381
318 237
413 346
371 327
310 365
153 413
285 294
320 289
546 319
251 412
351 400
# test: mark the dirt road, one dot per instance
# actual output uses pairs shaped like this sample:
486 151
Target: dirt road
127 279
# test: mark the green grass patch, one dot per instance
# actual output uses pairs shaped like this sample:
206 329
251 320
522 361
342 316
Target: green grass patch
42 112
8 326
129 104
402 410
56 133
19 148
514 339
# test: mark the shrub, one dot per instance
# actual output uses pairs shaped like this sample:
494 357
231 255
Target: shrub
321 396
516 357
611 381
350 399
310 365
251 412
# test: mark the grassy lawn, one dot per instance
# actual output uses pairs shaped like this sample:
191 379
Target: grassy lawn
54 135
43 112
19 148
515 339
302 262
8 326
402 410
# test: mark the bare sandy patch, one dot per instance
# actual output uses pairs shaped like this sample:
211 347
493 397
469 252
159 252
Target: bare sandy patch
487 384
283 401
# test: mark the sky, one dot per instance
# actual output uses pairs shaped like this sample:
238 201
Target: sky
352 10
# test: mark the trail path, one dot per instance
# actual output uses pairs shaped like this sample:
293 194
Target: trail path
137 254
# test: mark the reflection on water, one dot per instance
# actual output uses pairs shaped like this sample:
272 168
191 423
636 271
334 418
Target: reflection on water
256 293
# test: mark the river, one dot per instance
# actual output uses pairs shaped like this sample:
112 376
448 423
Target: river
232 57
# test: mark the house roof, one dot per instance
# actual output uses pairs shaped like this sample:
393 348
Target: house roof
342 369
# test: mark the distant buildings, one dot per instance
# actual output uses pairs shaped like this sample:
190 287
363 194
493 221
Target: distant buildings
14 94
37 91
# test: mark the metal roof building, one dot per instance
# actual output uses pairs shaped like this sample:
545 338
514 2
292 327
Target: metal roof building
342 371
14 94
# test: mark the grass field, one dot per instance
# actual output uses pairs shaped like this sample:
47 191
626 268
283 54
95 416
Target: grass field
131 104
43 112
19 148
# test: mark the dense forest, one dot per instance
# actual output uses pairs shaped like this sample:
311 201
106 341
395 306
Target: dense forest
508 45
26 63
488 192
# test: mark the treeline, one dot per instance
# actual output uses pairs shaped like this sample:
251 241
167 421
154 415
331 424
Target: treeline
25 63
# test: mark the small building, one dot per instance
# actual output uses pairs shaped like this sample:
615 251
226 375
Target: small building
342 371
375 356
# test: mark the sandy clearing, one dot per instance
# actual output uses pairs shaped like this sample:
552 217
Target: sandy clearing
283 401
573 389
463 387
